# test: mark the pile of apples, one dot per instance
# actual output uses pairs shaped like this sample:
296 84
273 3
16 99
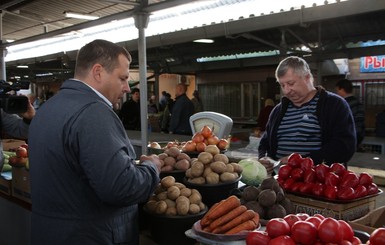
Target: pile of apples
300 174
202 138
21 157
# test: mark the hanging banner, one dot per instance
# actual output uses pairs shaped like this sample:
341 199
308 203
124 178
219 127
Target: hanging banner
373 64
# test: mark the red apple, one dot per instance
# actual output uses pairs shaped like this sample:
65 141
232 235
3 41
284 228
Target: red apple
21 152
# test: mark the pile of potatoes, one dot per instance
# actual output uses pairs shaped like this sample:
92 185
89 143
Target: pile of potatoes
173 198
173 159
212 167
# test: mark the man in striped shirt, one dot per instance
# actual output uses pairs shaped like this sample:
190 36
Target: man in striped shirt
309 120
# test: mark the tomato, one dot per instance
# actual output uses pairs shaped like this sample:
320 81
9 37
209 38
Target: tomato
297 174
360 191
257 238
277 227
346 193
309 176
295 187
284 172
356 241
307 163
329 231
345 242
318 189
350 179
223 144
320 216
321 170
198 137
291 219
316 221
377 237
306 188
206 131
346 230
294 160
332 179
303 216
372 189
282 240
365 179
304 232
338 168
288 183
21 152
24 146
331 192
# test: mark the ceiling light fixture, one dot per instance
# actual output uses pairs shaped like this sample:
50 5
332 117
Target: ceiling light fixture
203 41
80 16
22 66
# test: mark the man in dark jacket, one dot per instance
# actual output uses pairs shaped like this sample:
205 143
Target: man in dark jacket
344 88
181 112
85 184
308 120
130 112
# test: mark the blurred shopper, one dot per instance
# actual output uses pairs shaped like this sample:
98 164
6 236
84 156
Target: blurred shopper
344 88
380 124
181 112
166 114
130 111
152 107
163 101
309 120
264 114
197 102
85 183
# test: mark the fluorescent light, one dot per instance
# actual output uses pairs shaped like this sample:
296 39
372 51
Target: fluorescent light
80 16
22 66
203 41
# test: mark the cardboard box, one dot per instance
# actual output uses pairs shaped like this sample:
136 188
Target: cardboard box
21 187
6 183
9 144
368 223
338 210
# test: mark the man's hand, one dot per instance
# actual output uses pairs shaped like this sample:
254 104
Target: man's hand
30 113
152 158
268 163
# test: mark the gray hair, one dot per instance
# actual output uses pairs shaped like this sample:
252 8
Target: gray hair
299 66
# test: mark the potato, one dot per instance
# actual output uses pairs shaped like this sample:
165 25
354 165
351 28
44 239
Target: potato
159 189
221 158
161 163
207 171
162 156
205 157
183 155
170 203
167 181
227 177
202 206
179 185
212 178
162 195
218 167
161 207
212 149
197 180
182 205
172 151
167 168
237 168
196 191
188 173
185 192
173 192
229 168
182 164
195 198
169 161
197 169
151 206
194 208
171 211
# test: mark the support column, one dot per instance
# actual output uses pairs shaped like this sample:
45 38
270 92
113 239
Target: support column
141 22
3 50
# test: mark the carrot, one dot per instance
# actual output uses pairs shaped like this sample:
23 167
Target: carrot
249 225
221 209
247 215
228 217
256 219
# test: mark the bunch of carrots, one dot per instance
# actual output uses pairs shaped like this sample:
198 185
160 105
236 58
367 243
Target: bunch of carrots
229 217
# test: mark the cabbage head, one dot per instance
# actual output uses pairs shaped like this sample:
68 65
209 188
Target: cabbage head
253 171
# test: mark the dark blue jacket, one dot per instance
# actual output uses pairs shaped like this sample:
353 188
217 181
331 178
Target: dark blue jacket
338 134
85 185
181 112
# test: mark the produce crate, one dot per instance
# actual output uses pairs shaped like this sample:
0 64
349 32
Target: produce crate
21 187
339 210
6 183
368 223
9 144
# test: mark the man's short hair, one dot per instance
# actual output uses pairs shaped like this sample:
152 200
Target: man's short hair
134 90
346 85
